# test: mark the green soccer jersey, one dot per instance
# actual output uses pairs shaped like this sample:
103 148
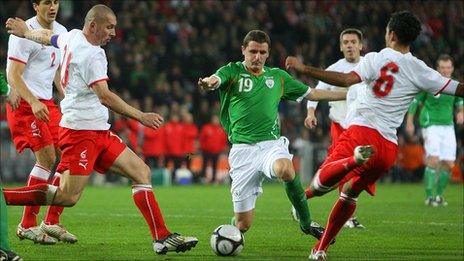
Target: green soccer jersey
249 103
436 110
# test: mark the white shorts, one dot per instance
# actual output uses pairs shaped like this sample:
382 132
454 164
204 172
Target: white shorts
249 165
440 141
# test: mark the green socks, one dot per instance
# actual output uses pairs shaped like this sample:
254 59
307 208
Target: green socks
443 180
3 223
429 180
295 193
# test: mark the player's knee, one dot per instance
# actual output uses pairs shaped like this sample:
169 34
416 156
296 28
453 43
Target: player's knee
432 162
447 166
68 200
284 170
145 175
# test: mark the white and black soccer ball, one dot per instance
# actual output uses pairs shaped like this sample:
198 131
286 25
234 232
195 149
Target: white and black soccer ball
227 240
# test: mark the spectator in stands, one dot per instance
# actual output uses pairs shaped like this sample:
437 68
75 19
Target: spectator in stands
213 141
173 131
189 137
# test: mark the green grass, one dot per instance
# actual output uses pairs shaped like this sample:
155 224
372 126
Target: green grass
399 226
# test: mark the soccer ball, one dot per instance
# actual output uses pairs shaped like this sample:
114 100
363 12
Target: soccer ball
227 240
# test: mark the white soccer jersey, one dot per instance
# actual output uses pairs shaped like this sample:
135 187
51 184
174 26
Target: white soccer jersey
339 109
41 61
393 80
83 64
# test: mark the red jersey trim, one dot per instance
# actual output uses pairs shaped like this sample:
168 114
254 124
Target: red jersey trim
357 75
99 80
16 60
40 167
444 87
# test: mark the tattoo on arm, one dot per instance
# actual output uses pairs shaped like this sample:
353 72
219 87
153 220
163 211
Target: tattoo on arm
41 36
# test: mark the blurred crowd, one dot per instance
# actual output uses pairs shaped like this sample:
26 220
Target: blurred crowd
163 47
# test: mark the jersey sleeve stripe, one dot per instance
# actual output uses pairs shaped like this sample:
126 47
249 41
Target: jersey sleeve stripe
16 60
99 80
444 87
357 75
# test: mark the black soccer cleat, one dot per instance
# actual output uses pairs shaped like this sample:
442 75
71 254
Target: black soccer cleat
316 231
9 256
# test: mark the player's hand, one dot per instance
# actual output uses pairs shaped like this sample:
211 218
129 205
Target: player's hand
293 63
410 128
40 110
13 99
151 120
310 122
460 117
208 83
16 26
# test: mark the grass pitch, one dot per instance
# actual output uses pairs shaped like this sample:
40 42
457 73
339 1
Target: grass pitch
399 226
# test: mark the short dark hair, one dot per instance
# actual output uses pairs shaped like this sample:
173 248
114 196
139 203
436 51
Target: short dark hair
405 25
257 36
352 31
445 57
35 1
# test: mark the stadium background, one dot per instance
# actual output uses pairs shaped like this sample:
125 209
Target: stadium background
163 47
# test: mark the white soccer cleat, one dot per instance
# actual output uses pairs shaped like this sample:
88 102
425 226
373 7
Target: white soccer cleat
439 201
35 234
353 223
174 242
318 255
429 201
363 153
59 232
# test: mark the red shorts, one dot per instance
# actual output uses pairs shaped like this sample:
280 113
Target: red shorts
86 150
29 132
335 131
364 176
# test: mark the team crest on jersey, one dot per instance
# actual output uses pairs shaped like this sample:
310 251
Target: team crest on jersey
269 82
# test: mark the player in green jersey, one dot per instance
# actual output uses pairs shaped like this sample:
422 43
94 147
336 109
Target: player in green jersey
5 251
436 121
250 93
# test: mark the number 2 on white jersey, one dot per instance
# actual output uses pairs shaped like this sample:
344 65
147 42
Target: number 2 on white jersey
65 67
384 84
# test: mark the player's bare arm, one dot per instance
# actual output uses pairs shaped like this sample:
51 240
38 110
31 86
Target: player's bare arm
311 121
410 129
57 82
116 104
460 90
18 27
330 77
19 90
208 83
325 95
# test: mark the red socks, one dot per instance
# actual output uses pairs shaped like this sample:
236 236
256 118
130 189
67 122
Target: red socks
331 173
145 200
341 212
35 195
53 213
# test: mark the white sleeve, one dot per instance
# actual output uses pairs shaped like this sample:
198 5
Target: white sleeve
429 80
365 68
19 49
96 70
62 39
321 86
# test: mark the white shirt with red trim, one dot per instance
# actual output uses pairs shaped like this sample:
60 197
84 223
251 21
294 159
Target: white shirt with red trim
340 109
41 61
393 79
83 64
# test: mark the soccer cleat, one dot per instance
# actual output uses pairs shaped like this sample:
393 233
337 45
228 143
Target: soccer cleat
318 255
59 232
439 201
429 201
9 256
353 223
316 231
174 242
363 153
35 234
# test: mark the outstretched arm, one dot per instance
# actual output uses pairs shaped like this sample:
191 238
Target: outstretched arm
209 83
18 27
330 77
325 95
116 104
